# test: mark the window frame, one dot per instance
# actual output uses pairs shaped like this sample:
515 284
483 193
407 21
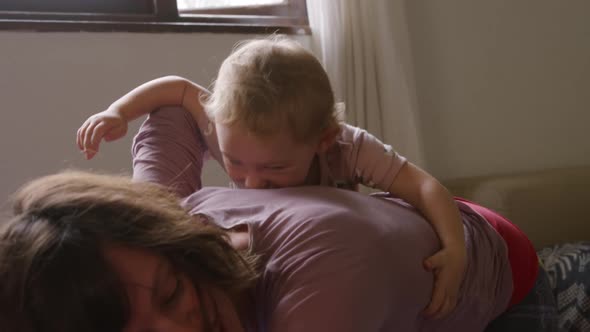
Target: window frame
290 18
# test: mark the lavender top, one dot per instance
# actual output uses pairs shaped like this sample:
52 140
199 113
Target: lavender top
338 260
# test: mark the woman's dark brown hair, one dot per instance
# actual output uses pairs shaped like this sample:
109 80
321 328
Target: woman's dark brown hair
53 276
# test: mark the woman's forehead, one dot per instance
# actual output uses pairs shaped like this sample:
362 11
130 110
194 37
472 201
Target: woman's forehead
135 266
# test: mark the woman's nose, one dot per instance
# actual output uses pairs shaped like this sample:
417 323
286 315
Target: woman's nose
162 323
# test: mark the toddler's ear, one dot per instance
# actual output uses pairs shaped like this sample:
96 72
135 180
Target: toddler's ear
328 138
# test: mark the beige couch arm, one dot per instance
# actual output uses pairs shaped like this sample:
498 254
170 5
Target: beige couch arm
550 206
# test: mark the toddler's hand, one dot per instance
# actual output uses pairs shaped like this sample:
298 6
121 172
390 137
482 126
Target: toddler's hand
449 266
109 124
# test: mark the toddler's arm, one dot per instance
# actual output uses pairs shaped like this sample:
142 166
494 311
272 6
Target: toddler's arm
434 201
377 165
111 124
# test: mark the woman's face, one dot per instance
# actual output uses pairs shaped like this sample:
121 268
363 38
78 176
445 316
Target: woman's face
163 299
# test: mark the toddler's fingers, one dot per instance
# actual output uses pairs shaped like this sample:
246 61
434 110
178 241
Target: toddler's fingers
87 143
80 135
446 308
89 153
97 136
435 261
78 139
437 300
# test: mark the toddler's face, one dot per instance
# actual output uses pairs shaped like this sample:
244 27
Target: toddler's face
268 162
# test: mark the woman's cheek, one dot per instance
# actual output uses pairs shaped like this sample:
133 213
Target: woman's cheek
191 306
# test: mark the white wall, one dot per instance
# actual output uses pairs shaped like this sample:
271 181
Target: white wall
51 82
502 85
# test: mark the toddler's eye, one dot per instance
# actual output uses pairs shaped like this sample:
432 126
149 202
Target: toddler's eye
233 162
275 167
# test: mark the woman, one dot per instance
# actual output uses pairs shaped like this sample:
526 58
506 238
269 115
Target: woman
97 253
87 252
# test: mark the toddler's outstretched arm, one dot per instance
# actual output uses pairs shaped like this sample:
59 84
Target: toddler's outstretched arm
435 202
111 124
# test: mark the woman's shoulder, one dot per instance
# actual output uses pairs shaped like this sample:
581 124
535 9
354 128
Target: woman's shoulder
295 226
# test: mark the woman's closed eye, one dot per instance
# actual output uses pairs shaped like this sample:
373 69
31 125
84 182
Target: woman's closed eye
178 302
173 294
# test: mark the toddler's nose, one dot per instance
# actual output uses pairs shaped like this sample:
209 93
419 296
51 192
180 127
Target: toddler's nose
254 182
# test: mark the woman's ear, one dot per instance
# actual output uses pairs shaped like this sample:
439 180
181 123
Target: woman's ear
327 138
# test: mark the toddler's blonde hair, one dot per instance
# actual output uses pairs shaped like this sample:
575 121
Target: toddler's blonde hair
274 85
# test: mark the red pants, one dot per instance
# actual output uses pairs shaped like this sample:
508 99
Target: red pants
521 253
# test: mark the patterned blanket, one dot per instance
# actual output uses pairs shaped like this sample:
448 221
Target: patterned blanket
568 267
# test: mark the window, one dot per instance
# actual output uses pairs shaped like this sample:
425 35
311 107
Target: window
188 5
259 16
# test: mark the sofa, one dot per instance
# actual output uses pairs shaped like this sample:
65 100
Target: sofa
551 207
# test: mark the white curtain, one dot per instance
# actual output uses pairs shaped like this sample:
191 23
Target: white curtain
364 46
